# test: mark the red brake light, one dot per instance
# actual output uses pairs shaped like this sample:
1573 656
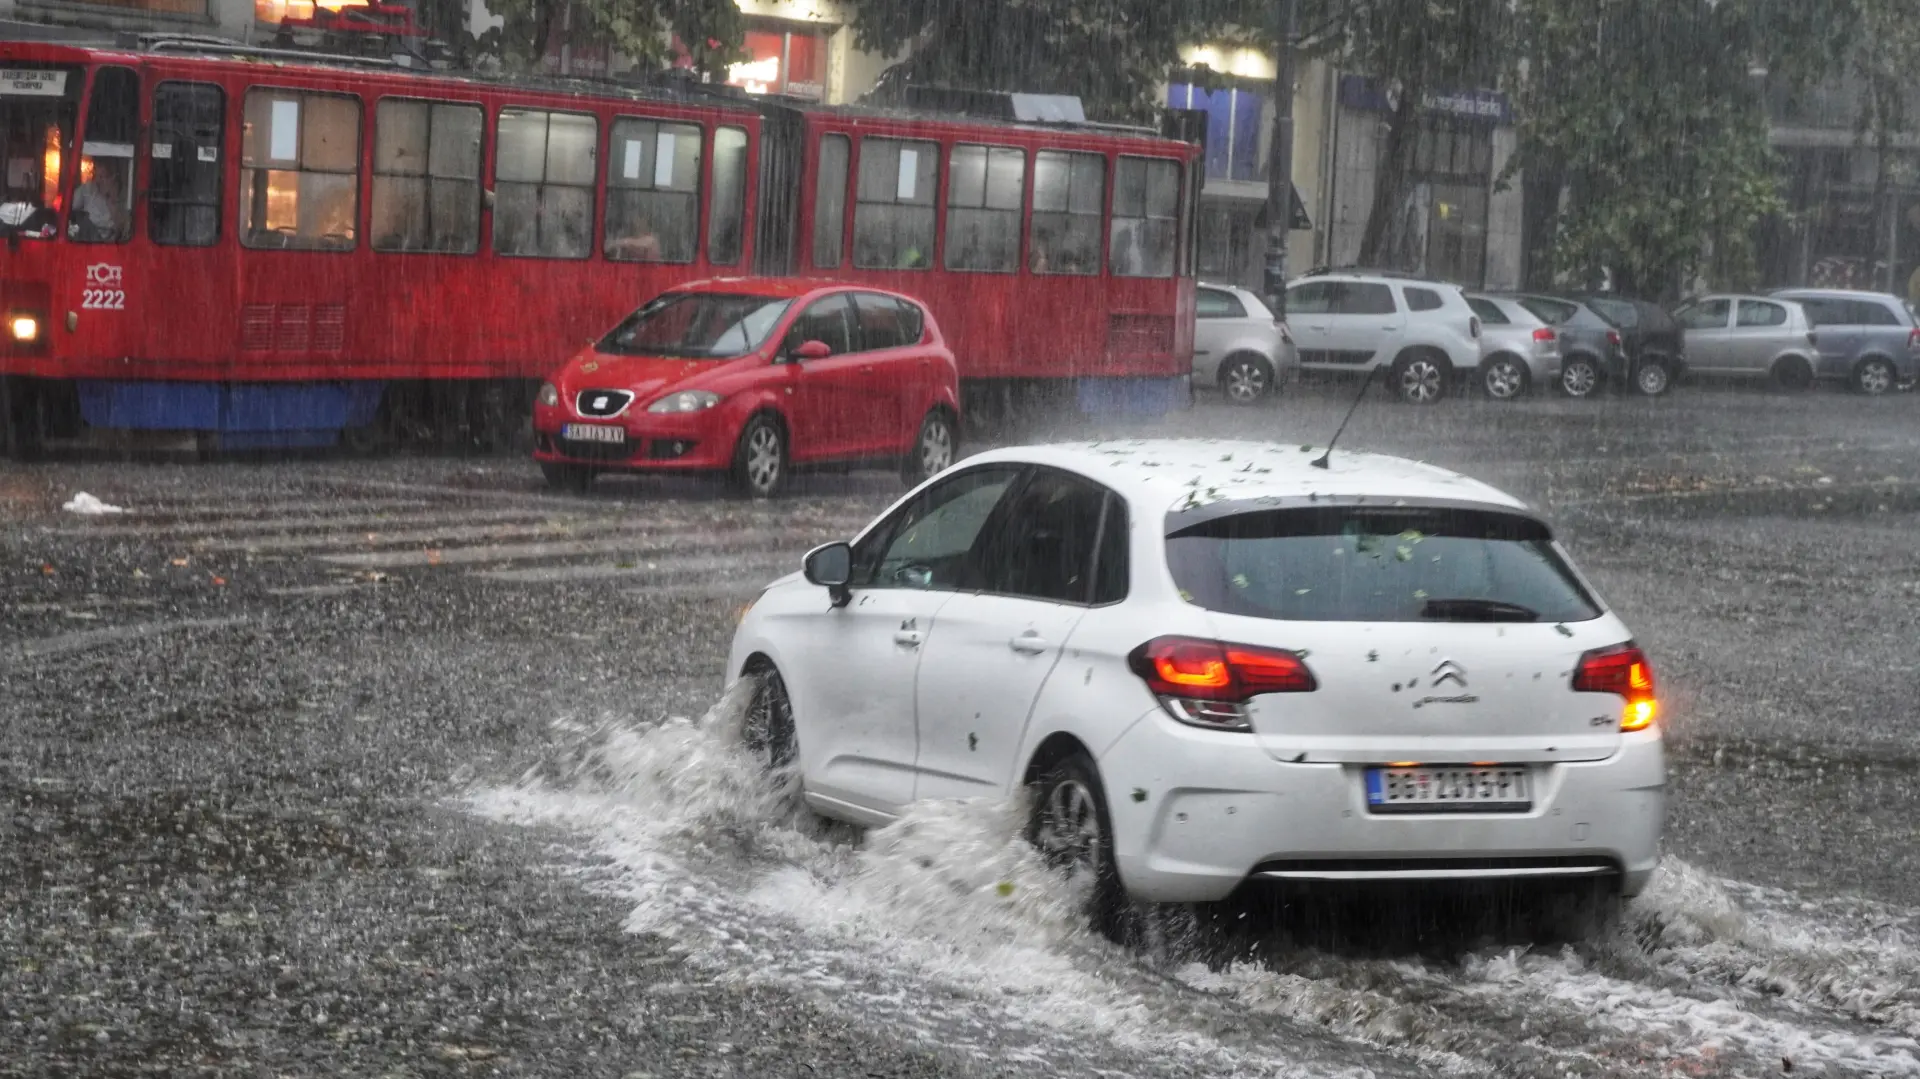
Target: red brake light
1913 338
1213 671
1622 669
1613 338
1543 334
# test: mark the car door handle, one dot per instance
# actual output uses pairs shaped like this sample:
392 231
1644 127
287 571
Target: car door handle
1390 326
1202 352
1031 644
911 638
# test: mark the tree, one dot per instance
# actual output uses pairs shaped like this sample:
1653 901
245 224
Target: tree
642 30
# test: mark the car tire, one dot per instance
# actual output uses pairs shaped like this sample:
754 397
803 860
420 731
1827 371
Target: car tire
1246 379
760 458
1580 376
1505 378
767 728
934 448
1069 825
573 479
1654 378
1421 377
1793 373
1874 376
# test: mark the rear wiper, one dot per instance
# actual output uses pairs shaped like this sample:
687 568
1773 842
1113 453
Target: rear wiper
1478 610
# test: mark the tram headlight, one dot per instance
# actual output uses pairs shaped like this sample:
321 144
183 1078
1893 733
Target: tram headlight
24 327
549 394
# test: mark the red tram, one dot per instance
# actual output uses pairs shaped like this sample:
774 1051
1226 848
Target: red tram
271 250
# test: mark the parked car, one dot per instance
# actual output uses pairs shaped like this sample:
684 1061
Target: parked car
1518 349
1421 332
1653 349
1239 346
1869 339
1751 337
751 378
1212 663
1589 345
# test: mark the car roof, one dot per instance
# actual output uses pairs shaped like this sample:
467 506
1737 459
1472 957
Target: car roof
1835 294
1178 473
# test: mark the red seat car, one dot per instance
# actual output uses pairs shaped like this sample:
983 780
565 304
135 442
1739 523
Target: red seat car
754 377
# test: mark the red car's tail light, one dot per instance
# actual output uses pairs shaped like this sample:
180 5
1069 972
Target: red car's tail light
1206 683
1621 669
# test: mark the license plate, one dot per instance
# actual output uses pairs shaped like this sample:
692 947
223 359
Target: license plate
1449 790
593 432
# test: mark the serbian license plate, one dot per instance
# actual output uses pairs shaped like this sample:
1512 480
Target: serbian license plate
593 432
1449 790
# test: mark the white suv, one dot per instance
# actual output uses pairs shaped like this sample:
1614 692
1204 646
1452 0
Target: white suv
1213 663
1421 331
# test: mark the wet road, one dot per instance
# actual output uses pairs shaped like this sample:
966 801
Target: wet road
334 767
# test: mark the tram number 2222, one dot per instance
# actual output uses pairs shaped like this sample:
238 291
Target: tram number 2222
98 296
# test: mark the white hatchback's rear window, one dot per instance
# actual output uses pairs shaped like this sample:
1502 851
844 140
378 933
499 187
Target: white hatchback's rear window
1367 564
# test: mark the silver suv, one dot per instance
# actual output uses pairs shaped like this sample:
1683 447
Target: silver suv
1238 345
1870 339
1421 331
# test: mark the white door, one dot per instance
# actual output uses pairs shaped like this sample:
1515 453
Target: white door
1310 317
1364 325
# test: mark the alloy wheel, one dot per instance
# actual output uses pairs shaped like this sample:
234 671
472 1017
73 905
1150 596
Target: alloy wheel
1652 379
1579 378
1069 831
1245 382
1421 381
1505 380
1875 377
936 446
764 458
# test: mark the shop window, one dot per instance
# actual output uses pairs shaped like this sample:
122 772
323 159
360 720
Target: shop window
183 197
1069 197
299 170
426 176
727 215
653 191
893 220
102 210
781 61
1146 209
1236 119
830 202
543 174
984 188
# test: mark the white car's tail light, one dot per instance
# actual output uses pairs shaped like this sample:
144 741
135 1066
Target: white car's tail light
1622 669
1208 683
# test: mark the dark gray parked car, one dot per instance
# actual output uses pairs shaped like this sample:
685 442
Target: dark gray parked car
1869 339
1589 345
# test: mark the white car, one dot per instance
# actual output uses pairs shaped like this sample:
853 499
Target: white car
1421 332
1239 346
1213 662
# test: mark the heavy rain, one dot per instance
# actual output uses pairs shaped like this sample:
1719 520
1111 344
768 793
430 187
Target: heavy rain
848 538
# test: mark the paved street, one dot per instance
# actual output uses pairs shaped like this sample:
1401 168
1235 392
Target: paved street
325 766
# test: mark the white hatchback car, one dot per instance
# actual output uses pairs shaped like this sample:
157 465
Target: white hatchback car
1211 663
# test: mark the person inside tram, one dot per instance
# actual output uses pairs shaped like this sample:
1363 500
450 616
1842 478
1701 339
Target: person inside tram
1042 243
640 244
99 205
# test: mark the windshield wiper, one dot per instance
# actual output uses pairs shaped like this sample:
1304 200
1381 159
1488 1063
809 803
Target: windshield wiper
1477 610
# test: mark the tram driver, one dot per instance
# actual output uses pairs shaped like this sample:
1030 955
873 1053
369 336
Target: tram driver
100 211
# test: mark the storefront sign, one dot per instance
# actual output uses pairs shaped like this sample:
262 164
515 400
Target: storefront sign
1370 95
18 83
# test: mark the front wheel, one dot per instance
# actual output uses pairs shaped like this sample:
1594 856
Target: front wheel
1070 827
573 479
769 731
1653 379
760 458
1874 376
1504 378
933 449
1420 379
1246 380
1579 376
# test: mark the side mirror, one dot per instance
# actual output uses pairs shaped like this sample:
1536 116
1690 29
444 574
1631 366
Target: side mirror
813 350
831 565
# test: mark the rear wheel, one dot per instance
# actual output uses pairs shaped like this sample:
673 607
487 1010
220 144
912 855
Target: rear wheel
1069 825
760 458
1793 373
1420 378
573 479
1653 378
1874 376
933 449
1579 376
1246 379
1504 378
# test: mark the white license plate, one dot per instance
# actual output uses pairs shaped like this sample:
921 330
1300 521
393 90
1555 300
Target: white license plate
593 432
1444 789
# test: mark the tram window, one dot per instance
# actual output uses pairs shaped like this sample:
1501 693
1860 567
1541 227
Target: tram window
102 209
984 189
1146 213
727 214
299 170
893 220
653 191
426 176
1069 197
183 196
543 173
830 202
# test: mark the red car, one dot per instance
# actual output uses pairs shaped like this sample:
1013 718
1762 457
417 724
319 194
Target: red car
754 377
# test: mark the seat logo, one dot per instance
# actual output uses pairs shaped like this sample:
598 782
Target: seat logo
599 402
1447 671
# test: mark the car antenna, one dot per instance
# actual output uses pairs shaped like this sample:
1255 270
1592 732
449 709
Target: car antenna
1321 461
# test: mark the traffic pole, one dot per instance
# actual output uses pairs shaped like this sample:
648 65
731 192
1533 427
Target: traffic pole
1280 163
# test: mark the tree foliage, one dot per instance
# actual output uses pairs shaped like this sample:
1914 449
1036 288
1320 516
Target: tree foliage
642 30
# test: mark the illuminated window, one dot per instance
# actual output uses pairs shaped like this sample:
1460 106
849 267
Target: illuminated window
781 61
300 171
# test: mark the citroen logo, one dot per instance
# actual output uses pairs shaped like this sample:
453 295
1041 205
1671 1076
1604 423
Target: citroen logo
1447 671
